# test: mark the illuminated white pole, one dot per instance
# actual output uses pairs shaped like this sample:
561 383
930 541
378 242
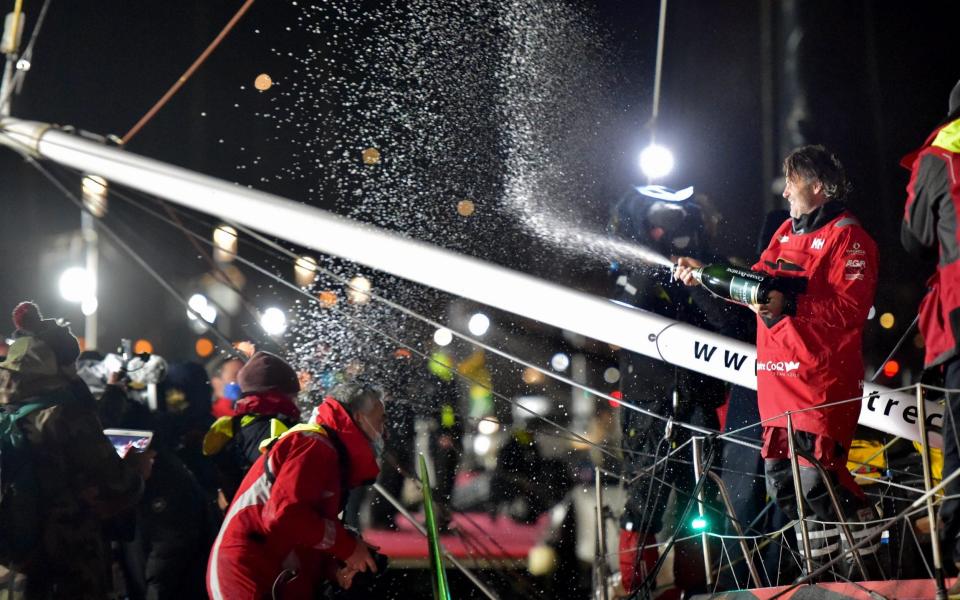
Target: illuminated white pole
89 232
598 318
94 192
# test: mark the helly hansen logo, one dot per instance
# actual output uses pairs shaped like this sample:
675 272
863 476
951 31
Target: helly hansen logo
731 360
780 366
784 239
817 243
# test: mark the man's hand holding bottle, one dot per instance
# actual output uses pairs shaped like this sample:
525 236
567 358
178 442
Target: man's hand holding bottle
686 272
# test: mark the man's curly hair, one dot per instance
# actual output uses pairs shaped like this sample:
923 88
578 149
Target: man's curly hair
815 163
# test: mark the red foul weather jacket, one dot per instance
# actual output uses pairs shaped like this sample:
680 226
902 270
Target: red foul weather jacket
814 356
284 515
930 220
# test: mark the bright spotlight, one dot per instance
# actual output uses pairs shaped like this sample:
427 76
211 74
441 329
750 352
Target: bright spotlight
560 362
273 321
199 305
76 285
442 336
481 444
656 161
89 305
479 324
488 426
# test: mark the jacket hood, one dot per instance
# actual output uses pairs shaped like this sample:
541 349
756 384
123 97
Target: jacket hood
907 161
363 463
268 403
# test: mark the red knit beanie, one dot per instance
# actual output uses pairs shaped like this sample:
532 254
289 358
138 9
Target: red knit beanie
29 322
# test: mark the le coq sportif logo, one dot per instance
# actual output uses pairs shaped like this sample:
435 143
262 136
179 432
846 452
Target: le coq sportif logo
781 366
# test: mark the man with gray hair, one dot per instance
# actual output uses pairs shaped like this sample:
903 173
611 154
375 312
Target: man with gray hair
281 533
809 351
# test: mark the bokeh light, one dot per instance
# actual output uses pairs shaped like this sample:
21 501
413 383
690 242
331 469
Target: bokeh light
274 321
141 346
203 347
532 376
887 320
560 362
371 156
263 82
465 208
442 336
611 375
357 292
891 368
327 298
76 285
479 324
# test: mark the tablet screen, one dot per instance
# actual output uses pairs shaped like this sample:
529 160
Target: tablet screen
129 440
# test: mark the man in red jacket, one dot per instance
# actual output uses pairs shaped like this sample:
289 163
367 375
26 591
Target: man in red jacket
809 346
930 224
281 532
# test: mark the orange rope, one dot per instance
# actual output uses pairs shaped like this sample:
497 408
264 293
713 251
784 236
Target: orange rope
187 74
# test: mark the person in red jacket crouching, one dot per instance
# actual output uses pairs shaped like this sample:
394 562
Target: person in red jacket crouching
281 536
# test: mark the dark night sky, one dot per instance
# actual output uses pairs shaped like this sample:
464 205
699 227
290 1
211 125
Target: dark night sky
878 74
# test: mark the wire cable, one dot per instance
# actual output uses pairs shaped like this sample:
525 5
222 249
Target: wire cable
126 248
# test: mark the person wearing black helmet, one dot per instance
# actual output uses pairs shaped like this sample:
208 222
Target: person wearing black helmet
670 223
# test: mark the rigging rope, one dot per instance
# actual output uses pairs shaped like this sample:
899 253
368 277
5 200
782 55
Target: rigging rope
186 74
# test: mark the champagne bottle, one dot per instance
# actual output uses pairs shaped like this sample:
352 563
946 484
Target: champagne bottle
733 283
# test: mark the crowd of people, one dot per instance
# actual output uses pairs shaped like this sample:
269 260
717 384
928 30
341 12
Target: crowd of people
244 505
246 486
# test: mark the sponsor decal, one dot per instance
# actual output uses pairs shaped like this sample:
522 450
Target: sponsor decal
855 249
731 360
852 276
817 243
780 366
856 263
784 239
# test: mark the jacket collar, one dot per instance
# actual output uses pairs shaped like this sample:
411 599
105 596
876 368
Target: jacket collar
268 403
819 217
363 463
